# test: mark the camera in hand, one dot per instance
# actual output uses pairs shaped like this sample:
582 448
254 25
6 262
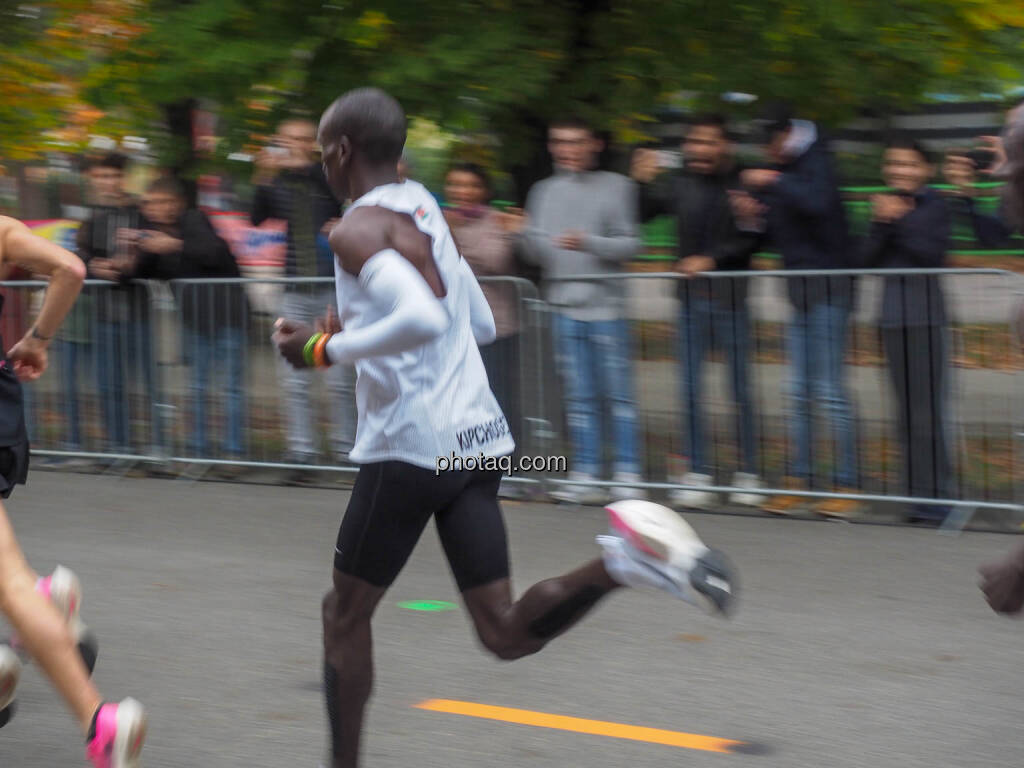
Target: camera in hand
983 159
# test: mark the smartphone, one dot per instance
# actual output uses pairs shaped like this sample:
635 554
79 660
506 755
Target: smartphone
670 158
275 151
983 159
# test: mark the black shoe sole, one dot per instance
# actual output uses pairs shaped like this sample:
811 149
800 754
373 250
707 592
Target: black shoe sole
7 713
89 650
715 578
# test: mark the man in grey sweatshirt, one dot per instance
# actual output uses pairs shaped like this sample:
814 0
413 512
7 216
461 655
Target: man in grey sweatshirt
584 221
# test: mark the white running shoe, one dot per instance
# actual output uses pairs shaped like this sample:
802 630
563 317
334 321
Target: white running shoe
693 499
580 494
10 673
64 591
625 491
652 546
749 483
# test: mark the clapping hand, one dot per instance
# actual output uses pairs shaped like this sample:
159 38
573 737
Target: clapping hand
890 208
571 240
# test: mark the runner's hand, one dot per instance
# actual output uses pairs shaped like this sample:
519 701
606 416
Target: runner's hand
290 338
29 358
1003 582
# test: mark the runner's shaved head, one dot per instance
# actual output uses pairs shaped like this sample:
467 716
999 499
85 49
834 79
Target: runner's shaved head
373 122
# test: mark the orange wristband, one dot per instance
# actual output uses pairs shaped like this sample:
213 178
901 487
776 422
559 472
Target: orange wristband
320 351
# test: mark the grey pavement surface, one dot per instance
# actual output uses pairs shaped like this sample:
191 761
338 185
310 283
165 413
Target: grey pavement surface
855 645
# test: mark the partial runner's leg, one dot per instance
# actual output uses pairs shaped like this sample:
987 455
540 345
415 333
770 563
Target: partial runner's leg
389 508
511 630
348 662
42 630
650 546
473 535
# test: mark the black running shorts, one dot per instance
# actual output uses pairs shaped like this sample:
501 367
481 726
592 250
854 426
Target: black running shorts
14 447
390 506
13 467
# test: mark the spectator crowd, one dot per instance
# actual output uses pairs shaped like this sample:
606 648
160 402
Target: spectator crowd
581 220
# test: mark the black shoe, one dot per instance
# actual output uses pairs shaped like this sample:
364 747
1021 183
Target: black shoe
10 673
88 648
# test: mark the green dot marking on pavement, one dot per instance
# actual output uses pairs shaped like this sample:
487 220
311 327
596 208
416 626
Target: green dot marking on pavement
430 606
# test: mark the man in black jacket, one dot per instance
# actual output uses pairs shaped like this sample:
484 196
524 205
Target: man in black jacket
180 243
910 230
714 311
123 338
292 187
806 222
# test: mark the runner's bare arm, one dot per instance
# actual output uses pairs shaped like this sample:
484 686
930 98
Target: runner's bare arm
66 272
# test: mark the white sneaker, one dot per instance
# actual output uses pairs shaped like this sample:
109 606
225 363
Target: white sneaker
10 673
749 482
652 546
64 591
625 491
580 494
693 499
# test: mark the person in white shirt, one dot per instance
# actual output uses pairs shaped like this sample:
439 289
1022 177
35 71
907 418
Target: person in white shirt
410 317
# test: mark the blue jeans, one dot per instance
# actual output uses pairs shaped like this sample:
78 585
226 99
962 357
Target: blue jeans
594 359
223 356
704 325
125 348
816 344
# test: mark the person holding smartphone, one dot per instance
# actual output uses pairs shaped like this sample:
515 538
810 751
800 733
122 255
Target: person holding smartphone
713 313
910 230
960 168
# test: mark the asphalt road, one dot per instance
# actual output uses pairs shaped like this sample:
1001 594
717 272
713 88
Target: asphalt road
854 646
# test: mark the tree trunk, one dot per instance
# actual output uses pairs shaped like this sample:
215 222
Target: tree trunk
184 165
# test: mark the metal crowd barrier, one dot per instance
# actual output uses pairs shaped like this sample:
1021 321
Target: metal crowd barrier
983 393
101 397
184 375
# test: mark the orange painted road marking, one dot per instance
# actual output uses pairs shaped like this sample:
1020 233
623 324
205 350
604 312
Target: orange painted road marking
580 725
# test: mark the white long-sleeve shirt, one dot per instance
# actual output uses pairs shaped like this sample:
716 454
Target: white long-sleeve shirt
421 388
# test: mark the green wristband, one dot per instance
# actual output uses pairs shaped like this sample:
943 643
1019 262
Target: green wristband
307 351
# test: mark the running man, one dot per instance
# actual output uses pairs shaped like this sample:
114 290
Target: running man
43 612
411 315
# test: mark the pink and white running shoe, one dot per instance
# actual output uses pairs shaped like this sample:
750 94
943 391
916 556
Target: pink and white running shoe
64 591
653 546
116 736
